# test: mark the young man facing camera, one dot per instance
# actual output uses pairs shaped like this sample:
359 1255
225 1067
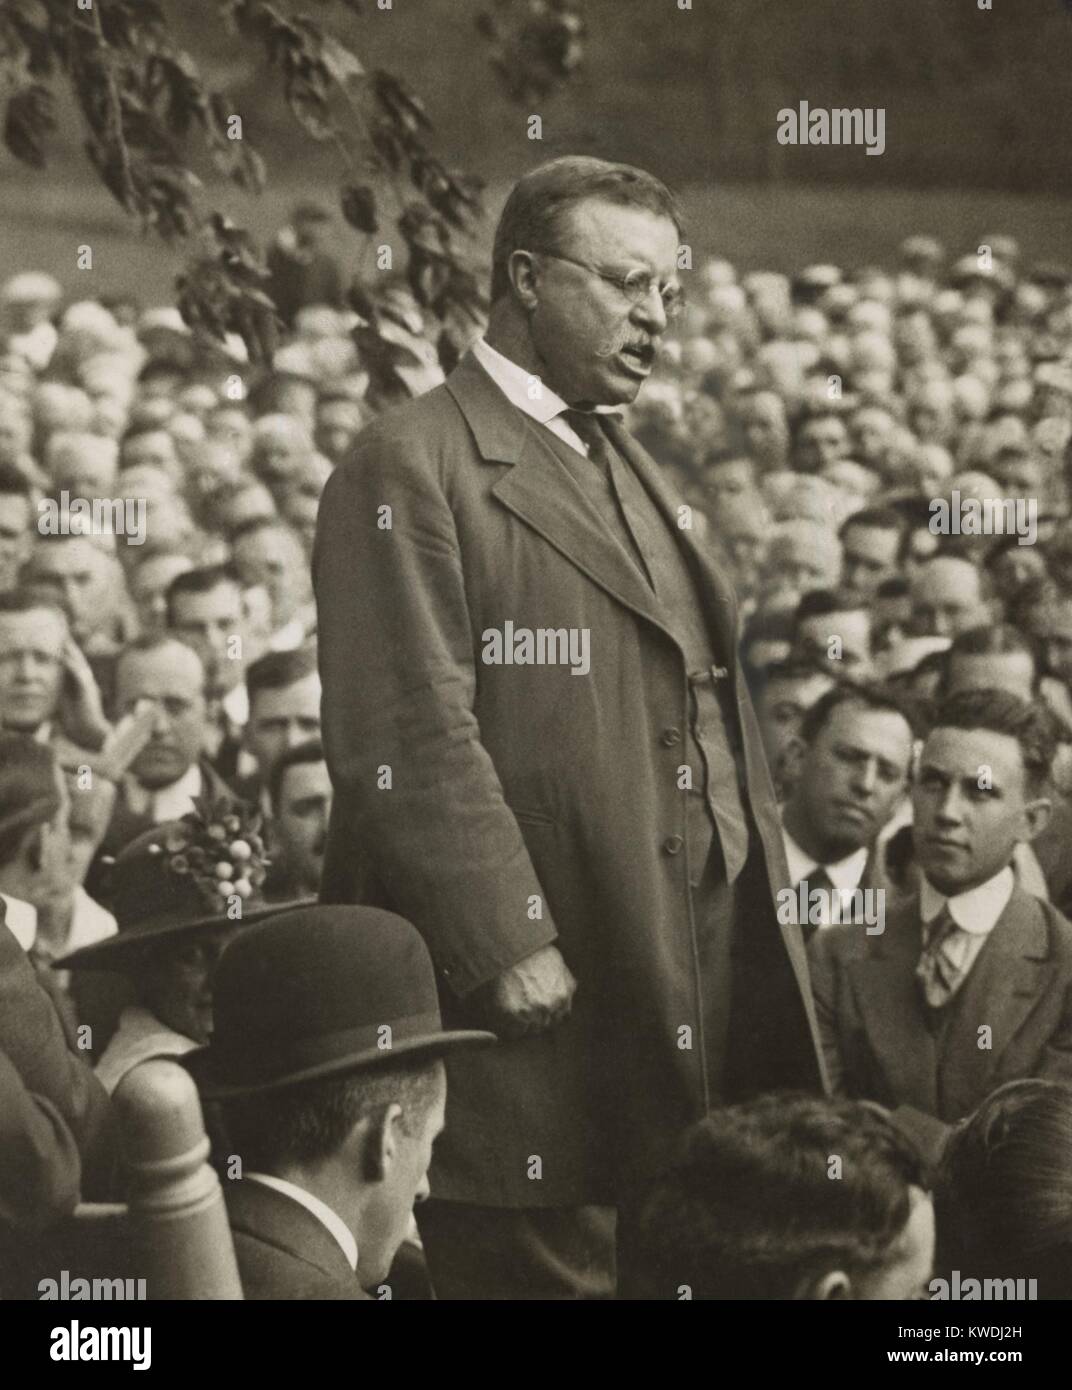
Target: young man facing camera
969 984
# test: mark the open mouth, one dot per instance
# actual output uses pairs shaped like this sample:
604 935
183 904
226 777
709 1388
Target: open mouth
639 359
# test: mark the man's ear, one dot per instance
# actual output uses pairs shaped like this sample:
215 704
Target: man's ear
377 1136
1037 816
523 274
835 1284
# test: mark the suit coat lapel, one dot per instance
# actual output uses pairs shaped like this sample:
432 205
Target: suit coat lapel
540 491
1010 974
892 1011
716 593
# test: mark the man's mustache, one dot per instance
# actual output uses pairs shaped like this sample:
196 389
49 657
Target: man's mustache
626 337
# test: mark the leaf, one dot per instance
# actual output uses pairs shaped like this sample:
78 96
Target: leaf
30 116
342 65
358 203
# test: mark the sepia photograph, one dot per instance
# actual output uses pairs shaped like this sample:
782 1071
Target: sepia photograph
536 663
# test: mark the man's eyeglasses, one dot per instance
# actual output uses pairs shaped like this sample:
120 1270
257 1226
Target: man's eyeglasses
636 285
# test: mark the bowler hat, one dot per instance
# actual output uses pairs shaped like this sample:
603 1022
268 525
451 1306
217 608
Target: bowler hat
190 875
318 992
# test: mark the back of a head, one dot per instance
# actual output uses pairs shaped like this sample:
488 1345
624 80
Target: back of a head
750 1208
1004 1192
28 791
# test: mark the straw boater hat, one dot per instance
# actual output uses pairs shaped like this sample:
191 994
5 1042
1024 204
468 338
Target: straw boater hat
320 992
204 871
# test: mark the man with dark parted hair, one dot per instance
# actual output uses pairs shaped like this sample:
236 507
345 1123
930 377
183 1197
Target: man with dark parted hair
970 983
848 772
300 795
544 754
327 1058
872 547
284 710
790 1197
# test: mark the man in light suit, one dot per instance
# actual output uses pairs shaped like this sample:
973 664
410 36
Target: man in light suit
970 983
544 756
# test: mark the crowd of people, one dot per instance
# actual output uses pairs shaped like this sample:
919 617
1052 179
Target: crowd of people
881 461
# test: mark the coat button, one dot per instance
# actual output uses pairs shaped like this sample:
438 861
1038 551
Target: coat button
671 736
672 844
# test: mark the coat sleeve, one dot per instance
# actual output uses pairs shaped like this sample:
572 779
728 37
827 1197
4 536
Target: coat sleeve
40 1170
33 1041
398 666
822 963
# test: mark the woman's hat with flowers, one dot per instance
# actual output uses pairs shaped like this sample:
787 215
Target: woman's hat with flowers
204 871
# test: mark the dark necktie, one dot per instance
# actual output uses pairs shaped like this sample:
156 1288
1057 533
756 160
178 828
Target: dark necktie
818 878
588 428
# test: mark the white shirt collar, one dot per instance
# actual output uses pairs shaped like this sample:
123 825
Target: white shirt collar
21 920
165 803
288 638
975 911
845 874
519 386
236 704
323 1213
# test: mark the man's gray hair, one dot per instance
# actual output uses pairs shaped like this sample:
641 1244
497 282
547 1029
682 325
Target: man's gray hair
537 211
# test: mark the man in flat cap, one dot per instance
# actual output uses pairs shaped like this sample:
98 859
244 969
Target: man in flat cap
544 755
327 1059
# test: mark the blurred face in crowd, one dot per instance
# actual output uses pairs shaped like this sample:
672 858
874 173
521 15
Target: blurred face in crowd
802 559
85 577
848 781
1011 671
209 623
300 824
175 980
729 478
388 1204
300 511
842 639
153 449
148 584
31 667
765 428
281 719
782 706
252 503
965 832
16 537
890 619
1016 567
821 442
1019 472
872 430
231 426
273 556
868 557
172 678
337 422
947 598
14 437
1050 624
587 339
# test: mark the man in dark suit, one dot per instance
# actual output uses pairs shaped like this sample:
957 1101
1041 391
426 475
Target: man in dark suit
969 984
544 755
326 1057
56 1136
848 769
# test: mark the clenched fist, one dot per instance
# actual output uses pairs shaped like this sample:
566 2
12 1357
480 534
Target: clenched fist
531 996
